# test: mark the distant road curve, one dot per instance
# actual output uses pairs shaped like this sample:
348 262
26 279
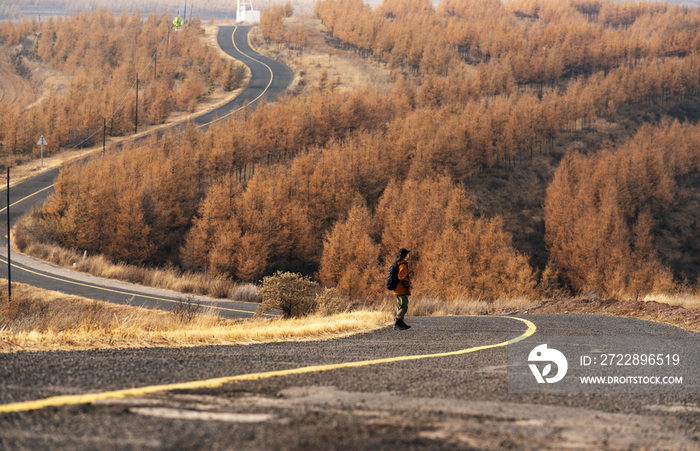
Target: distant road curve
269 78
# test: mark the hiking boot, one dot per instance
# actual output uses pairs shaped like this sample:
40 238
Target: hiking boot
400 325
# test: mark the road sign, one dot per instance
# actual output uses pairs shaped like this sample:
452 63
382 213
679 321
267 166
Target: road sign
42 142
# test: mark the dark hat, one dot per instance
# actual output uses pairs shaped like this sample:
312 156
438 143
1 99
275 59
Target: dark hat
403 252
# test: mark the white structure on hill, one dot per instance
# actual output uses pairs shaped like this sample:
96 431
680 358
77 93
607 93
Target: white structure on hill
246 13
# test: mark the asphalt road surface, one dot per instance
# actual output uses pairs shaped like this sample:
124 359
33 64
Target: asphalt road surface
458 401
41 274
269 78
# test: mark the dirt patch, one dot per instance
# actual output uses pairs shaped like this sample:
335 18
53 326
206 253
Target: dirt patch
323 53
45 80
14 90
25 81
686 318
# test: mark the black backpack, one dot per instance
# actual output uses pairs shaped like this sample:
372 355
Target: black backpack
392 279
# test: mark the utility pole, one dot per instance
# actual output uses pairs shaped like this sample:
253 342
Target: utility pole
9 264
136 122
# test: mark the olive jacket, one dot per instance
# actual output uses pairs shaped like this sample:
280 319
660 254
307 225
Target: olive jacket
404 286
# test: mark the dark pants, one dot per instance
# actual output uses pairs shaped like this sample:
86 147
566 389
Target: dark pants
402 306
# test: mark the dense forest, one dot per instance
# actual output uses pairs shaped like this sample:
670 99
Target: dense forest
331 183
104 55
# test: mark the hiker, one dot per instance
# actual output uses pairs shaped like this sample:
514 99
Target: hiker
402 290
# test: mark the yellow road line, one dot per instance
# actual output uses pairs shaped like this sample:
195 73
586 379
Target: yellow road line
65 400
97 287
272 76
25 198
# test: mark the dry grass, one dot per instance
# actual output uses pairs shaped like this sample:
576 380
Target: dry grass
686 300
354 71
40 320
247 292
423 305
167 278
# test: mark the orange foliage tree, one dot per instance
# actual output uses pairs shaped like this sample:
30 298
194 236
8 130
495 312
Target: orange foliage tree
350 260
454 256
601 211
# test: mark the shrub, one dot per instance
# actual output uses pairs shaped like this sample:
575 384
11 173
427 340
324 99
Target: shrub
548 286
193 87
31 229
292 294
329 302
232 76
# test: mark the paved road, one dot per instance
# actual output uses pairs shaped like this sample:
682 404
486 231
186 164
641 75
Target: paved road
269 79
45 275
447 402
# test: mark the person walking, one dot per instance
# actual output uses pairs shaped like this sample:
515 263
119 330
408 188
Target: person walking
402 291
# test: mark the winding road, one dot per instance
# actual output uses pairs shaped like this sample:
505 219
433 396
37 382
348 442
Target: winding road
443 384
269 78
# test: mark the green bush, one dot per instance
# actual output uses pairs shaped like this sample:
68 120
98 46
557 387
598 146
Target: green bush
292 294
